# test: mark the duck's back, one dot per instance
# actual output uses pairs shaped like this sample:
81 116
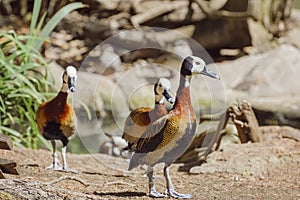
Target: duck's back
139 120
165 140
135 124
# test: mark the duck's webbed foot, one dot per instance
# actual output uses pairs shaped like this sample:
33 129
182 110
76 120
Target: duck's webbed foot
67 169
173 193
55 166
155 194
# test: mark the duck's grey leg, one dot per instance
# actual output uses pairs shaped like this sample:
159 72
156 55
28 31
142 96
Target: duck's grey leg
152 191
65 164
170 188
56 164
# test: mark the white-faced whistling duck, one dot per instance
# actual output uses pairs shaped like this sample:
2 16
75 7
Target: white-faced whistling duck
168 137
56 119
140 118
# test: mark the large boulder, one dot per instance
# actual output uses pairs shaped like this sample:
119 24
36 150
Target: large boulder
269 82
270 74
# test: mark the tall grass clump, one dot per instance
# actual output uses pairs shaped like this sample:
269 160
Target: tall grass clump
23 77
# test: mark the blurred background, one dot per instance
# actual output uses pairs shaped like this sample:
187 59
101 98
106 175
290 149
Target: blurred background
253 45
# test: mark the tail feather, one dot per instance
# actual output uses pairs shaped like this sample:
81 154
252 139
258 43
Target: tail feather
135 160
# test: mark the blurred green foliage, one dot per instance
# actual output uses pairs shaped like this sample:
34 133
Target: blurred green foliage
297 4
24 72
22 87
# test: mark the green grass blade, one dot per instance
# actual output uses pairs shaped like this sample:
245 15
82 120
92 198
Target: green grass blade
49 27
1 54
33 30
40 24
18 96
11 118
11 131
35 15
2 105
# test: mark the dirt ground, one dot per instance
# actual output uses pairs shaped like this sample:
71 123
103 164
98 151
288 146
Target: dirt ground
267 170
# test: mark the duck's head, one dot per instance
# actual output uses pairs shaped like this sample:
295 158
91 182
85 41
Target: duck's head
69 78
162 89
194 65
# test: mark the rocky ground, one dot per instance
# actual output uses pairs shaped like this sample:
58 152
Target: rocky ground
267 170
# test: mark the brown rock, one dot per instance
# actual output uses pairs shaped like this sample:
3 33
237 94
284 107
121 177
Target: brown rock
278 132
5 142
1 175
8 166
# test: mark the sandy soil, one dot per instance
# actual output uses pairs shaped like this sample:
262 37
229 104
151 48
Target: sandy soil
268 170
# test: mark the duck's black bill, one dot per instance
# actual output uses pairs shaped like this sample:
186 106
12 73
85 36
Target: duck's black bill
71 84
210 73
168 97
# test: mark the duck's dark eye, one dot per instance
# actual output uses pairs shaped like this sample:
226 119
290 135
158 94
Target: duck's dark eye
160 85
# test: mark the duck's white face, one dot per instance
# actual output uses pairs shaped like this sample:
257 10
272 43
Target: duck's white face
162 85
70 78
162 89
198 65
71 71
195 65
